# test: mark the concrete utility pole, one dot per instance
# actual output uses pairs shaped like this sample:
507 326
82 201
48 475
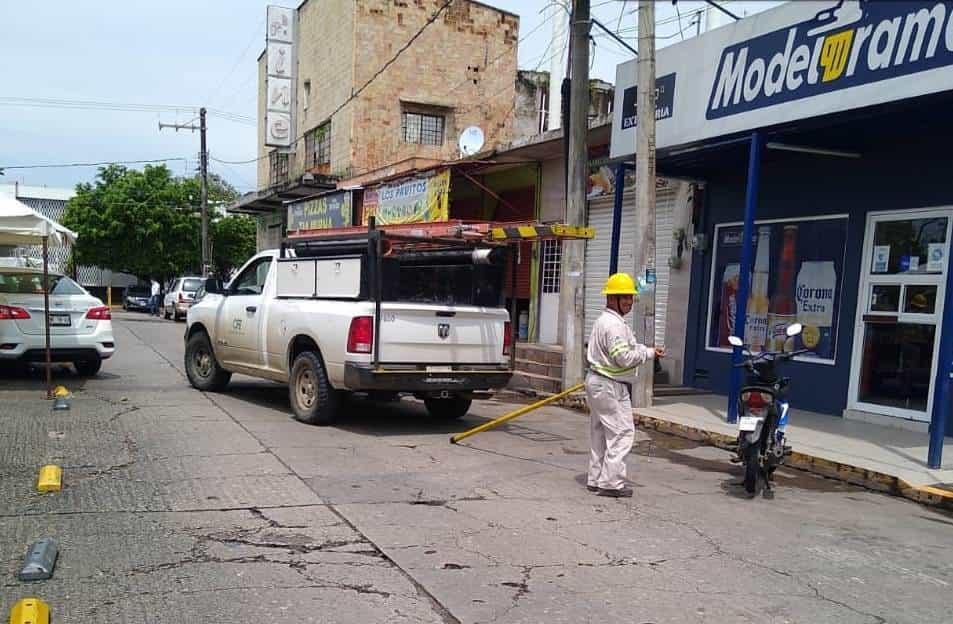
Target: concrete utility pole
203 181
572 303
644 309
203 167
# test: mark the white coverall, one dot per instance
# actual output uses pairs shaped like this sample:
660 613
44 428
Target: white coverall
614 356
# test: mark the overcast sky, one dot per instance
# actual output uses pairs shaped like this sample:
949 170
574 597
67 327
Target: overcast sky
190 53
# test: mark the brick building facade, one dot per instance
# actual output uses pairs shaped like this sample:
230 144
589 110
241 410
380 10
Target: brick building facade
459 72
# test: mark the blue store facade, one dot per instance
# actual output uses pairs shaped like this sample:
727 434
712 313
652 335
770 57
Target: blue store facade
829 126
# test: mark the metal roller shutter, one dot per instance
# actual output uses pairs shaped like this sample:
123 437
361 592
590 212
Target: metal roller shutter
597 252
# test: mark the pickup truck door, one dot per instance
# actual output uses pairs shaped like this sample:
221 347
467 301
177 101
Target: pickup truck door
239 323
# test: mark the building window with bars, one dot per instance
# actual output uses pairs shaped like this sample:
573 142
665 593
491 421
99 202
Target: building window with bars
317 145
422 128
552 257
278 167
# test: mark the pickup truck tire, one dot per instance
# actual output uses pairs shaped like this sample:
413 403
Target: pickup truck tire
448 409
313 400
201 367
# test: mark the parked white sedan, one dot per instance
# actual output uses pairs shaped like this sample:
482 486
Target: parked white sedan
80 325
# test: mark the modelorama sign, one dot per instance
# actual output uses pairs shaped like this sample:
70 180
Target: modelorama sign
414 201
800 60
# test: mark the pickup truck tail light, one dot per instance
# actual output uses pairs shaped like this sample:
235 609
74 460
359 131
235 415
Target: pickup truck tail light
507 338
360 337
100 313
181 298
9 313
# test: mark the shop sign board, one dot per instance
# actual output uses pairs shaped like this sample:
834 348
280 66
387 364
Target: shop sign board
320 213
797 277
796 61
279 76
419 200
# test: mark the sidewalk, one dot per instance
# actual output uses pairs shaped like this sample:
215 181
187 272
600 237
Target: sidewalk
882 458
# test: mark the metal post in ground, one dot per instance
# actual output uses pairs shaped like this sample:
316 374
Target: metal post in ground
942 390
744 273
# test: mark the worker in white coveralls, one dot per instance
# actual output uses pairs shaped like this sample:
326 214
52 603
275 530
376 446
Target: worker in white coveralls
614 357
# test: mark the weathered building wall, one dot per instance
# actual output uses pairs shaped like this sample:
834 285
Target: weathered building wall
531 103
326 58
463 66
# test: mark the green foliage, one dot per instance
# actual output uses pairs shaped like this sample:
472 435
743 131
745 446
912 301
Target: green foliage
147 222
233 242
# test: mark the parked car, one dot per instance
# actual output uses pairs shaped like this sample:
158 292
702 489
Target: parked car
136 298
180 296
80 325
307 319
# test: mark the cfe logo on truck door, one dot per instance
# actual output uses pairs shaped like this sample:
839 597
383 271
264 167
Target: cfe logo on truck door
852 43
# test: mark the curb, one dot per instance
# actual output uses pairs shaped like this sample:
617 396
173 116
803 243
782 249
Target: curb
863 477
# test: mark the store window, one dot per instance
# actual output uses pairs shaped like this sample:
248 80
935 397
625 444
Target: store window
422 128
897 332
796 276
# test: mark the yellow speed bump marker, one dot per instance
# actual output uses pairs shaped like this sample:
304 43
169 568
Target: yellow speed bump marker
50 479
30 611
61 391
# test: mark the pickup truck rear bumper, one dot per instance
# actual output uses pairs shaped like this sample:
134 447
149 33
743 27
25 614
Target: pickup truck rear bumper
361 377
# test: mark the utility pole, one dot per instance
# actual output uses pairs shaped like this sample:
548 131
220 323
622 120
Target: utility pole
644 309
203 167
572 302
203 180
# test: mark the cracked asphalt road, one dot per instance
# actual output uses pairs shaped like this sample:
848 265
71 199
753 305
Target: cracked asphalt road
183 507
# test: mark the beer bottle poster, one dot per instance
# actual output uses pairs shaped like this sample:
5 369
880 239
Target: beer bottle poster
798 278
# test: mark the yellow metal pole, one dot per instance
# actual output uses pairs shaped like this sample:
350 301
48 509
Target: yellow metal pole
515 414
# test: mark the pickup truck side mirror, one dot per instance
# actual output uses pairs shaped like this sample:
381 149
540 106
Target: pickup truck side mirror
214 286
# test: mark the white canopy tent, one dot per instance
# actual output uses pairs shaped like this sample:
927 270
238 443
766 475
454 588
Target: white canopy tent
21 225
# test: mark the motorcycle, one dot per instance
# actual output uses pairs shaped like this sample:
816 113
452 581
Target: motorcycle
763 413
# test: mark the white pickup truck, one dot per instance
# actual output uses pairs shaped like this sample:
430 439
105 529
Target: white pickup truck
358 314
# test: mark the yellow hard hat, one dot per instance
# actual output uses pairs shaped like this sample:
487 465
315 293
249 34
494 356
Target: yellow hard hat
620 284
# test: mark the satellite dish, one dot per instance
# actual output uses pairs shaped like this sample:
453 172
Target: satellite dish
471 140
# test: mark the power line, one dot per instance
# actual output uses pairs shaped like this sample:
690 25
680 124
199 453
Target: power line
238 162
255 37
93 164
118 106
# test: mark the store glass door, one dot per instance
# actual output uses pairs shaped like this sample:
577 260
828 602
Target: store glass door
900 312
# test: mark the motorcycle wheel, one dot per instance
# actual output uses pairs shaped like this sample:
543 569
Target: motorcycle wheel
752 469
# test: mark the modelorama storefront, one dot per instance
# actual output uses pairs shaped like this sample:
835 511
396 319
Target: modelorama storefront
821 128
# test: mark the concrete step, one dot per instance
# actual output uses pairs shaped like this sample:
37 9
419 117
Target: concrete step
538 383
544 354
540 368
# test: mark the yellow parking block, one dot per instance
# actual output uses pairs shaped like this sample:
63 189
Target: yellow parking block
30 611
51 479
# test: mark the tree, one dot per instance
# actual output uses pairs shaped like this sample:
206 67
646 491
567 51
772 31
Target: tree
233 242
147 223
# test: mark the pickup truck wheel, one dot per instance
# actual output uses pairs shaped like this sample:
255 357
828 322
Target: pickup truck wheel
448 409
313 400
201 367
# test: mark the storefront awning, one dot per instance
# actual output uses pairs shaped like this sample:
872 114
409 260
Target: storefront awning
273 199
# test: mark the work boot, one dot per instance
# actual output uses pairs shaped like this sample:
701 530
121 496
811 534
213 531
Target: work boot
620 493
